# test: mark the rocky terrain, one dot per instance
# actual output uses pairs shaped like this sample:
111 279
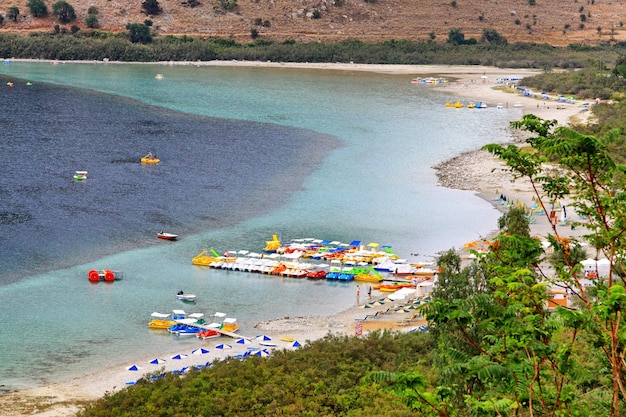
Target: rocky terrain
560 22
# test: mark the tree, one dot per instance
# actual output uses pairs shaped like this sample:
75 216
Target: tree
493 37
502 351
37 8
151 7
139 33
92 21
596 184
63 11
456 37
13 13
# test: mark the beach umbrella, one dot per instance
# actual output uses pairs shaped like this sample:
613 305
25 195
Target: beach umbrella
223 346
133 368
296 344
157 361
263 337
201 351
244 341
262 353
179 356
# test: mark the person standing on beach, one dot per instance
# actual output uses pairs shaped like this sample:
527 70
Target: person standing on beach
358 294
369 292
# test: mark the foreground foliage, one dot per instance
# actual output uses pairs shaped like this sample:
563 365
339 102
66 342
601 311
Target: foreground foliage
325 378
502 350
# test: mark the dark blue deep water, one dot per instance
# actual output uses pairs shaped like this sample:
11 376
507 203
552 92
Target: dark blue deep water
213 173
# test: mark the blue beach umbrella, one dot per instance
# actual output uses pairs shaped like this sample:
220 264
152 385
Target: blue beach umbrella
296 344
201 351
263 337
133 368
223 346
262 353
244 341
157 361
179 356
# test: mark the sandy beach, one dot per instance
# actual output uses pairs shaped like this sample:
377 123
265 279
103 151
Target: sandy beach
476 171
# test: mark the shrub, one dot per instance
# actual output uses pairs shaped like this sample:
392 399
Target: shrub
91 21
13 13
63 11
139 33
37 8
151 7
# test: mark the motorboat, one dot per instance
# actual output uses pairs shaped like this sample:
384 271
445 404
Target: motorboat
166 236
150 159
80 175
183 296
159 76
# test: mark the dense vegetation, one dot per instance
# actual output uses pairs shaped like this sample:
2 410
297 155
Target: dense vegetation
325 378
99 45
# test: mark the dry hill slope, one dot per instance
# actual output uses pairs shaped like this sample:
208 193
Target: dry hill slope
559 22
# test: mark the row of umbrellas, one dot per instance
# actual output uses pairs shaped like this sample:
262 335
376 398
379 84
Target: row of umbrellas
222 346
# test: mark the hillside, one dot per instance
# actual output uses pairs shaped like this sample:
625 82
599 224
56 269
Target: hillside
546 21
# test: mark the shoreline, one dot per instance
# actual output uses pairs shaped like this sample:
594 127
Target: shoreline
477 171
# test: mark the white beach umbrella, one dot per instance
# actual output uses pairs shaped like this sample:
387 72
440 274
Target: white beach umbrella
201 351
223 346
263 337
244 341
157 361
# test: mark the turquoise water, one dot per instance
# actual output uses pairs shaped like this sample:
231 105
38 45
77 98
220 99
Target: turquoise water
365 173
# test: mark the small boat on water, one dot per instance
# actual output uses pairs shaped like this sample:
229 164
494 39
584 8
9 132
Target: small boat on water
166 236
104 275
150 159
160 321
457 104
183 296
159 76
80 175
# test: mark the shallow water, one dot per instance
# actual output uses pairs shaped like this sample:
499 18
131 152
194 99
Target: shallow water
246 153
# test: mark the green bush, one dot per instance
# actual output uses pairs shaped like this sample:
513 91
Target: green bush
63 11
37 8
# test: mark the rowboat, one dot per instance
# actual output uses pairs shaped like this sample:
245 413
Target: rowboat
167 236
